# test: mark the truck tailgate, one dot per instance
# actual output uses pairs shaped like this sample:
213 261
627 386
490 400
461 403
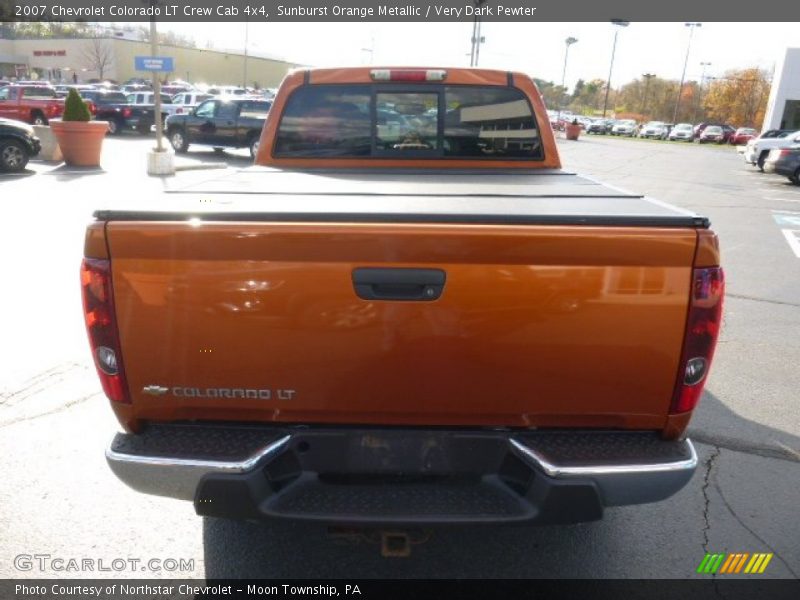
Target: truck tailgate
535 325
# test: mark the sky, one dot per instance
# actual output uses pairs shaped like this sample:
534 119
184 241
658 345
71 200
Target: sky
533 48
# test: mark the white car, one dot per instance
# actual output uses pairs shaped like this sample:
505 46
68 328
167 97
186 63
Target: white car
184 102
624 127
656 130
683 132
757 150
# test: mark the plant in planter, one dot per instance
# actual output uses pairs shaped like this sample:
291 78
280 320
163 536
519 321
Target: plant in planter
80 138
573 130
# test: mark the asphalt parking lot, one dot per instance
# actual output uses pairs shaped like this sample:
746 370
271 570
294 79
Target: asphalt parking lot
60 499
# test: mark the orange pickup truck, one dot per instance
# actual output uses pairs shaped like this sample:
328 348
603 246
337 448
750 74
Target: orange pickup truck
405 313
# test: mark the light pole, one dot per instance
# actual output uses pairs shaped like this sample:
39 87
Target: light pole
647 78
156 81
618 23
692 27
246 36
477 39
569 41
700 91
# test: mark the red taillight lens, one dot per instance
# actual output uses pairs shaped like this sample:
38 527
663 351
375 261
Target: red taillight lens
408 74
702 330
126 112
101 325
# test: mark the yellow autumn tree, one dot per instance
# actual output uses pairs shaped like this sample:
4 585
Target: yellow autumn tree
738 98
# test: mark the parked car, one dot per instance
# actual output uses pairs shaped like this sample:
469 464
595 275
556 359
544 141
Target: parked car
600 126
757 150
625 127
742 136
185 102
727 130
712 133
114 108
220 123
18 144
34 104
784 161
683 132
656 130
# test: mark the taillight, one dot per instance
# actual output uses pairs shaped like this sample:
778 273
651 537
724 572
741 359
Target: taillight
126 112
101 325
408 74
702 330
92 108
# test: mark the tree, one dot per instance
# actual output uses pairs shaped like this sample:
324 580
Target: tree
739 97
98 55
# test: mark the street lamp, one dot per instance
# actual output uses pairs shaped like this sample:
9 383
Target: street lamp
619 23
246 38
700 91
647 78
692 27
477 39
569 41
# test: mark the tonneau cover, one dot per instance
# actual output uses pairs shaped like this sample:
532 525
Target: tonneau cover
500 197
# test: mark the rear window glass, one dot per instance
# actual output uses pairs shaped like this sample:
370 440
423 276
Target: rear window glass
111 98
255 109
331 121
430 121
38 91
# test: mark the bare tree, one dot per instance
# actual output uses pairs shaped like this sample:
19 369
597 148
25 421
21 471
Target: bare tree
98 55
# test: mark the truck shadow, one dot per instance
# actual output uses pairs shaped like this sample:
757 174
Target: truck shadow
628 542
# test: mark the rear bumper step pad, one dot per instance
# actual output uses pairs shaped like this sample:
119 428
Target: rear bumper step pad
401 476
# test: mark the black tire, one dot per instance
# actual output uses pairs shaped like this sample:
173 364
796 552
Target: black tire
115 127
144 128
219 150
762 158
795 179
178 140
13 156
37 118
253 144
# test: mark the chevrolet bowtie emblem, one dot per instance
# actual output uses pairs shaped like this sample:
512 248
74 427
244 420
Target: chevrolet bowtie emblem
155 390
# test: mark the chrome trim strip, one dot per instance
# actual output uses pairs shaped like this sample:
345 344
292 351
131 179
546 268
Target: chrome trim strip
557 471
210 465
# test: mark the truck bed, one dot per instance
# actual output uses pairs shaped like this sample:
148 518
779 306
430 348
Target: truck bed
551 197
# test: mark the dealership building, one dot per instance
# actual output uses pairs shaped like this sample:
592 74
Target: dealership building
81 60
783 107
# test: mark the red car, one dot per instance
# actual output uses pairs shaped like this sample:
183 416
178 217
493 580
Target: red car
742 136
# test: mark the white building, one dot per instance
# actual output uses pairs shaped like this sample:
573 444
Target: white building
783 108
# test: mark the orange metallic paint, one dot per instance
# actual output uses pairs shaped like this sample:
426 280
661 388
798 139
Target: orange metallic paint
537 326
362 75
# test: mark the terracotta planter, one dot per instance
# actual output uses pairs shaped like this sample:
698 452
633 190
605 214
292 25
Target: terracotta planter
80 141
573 131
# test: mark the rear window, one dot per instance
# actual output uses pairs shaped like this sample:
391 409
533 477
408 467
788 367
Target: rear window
390 121
255 109
39 91
111 98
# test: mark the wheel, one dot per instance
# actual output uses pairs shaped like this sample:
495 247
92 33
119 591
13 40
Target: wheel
795 179
254 147
762 158
218 150
178 141
115 127
38 118
13 156
144 128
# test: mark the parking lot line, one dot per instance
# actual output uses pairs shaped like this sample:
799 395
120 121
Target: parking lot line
793 239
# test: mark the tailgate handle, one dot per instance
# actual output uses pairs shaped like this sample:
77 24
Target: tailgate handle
398 284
